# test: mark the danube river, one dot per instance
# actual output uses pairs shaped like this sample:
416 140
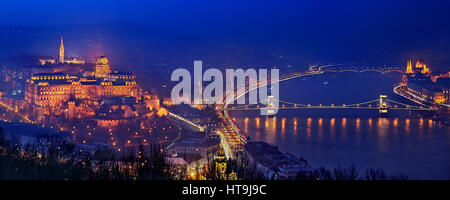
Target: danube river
403 142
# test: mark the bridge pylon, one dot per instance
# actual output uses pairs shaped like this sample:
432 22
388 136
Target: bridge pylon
383 106
271 108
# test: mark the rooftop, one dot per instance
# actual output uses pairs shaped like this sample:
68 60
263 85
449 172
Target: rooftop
271 157
198 142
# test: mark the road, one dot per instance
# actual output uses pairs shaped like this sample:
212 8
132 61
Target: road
234 139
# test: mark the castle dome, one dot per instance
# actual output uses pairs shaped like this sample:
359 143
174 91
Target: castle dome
102 60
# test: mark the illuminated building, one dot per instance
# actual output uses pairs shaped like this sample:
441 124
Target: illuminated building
420 64
162 112
151 101
168 101
425 70
445 76
61 51
446 97
102 68
115 111
409 69
62 59
74 60
423 87
121 76
54 89
193 154
404 80
422 67
444 83
44 61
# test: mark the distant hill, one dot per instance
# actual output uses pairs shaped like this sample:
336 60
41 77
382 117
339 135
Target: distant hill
123 43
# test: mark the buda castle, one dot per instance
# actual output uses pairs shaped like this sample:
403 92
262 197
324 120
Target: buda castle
79 94
52 89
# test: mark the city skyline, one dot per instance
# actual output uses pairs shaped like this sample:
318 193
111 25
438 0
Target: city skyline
266 93
301 31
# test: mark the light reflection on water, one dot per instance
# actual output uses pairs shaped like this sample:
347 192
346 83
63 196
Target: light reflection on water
355 137
328 125
404 142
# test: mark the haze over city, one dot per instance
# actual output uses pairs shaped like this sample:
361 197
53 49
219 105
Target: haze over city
301 31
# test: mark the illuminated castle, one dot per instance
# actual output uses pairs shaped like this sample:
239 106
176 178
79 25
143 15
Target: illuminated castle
102 68
54 90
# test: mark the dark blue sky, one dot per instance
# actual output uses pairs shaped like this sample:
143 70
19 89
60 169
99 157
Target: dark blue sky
253 13
401 27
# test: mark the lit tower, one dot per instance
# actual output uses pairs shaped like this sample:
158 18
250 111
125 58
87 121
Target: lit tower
383 106
425 70
61 51
409 69
422 67
271 108
102 68
419 64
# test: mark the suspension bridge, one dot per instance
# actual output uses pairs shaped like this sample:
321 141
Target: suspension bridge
235 139
334 68
382 104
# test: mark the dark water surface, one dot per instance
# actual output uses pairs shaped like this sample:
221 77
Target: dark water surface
403 142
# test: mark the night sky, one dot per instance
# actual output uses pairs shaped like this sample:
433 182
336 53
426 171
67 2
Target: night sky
323 28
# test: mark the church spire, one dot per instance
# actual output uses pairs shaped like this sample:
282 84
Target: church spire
61 51
409 69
